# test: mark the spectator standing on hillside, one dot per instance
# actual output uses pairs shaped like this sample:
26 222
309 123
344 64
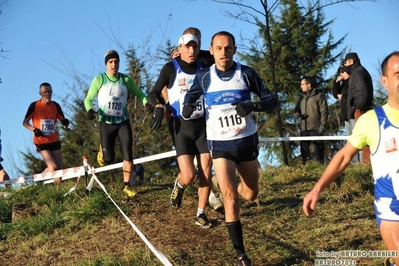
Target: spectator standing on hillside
231 130
112 89
340 91
360 94
44 114
379 129
312 109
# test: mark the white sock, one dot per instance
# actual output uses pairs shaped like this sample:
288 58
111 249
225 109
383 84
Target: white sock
180 186
199 212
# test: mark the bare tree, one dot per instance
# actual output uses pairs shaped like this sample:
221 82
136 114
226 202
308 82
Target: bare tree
3 52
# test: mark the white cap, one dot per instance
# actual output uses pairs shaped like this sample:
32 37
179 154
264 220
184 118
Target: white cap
186 38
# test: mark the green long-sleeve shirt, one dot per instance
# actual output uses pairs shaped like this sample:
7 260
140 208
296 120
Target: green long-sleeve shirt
112 94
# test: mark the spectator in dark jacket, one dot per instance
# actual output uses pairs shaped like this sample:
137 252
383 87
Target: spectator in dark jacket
312 108
360 94
340 91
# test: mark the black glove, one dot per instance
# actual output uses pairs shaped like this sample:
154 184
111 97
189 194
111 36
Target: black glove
91 114
244 109
65 122
167 108
38 132
297 115
149 108
188 110
156 120
320 130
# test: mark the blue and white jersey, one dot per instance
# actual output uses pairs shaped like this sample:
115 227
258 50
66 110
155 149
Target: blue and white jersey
223 122
385 162
177 92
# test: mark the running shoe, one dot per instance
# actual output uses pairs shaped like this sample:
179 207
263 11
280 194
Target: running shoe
177 195
129 191
100 158
243 260
215 203
203 221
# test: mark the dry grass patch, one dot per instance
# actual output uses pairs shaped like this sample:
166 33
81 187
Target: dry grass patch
88 230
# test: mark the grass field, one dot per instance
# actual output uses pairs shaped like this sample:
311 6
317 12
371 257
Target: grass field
81 229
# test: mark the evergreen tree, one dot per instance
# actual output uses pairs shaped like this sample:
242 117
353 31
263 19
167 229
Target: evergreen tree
301 45
33 163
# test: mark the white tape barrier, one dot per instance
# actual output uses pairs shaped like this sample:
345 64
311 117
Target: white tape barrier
86 168
69 172
154 250
76 171
79 171
304 138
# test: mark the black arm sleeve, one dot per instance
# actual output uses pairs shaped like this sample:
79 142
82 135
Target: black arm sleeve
336 89
166 78
59 110
31 109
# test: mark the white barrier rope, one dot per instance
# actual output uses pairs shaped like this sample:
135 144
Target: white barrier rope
154 250
86 169
78 171
304 138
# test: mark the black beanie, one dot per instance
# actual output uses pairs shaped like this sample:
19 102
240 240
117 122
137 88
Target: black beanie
351 56
111 54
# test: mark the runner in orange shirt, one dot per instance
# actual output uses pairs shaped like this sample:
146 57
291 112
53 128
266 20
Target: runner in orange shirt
44 114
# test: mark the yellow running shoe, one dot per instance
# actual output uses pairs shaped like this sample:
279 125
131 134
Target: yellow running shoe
100 158
129 192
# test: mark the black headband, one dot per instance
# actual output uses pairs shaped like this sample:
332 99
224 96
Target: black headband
110 56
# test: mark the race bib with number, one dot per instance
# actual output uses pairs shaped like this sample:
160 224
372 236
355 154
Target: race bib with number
114 106
225 122
199 109
47 126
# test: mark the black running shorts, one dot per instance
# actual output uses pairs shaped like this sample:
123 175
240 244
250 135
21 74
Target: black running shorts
237 156
190 136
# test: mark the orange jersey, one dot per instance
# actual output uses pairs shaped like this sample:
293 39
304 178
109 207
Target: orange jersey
44 117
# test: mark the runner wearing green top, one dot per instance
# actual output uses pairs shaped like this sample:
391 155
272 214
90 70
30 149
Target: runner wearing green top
112 89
